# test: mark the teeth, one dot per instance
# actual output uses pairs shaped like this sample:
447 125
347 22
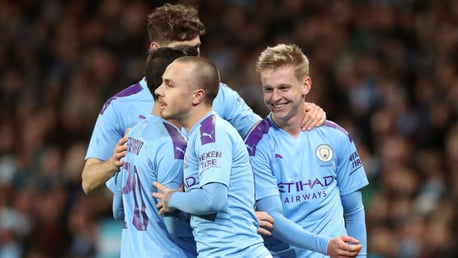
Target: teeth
279 105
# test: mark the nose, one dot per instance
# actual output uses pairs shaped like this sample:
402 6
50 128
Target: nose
158 91
276 95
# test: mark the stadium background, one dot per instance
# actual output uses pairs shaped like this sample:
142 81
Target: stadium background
384 69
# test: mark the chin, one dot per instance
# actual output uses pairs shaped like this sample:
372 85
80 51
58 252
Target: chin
164 115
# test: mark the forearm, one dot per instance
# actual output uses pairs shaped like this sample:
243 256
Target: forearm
209 199
96 173
356 227
355 219
290 232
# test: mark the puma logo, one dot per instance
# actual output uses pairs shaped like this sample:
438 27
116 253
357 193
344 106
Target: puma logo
209 135
179 149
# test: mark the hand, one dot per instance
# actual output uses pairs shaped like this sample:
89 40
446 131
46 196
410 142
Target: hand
119 152
163 195
266 223
314 116
343 246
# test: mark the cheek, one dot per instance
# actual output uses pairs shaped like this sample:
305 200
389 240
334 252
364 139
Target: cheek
179 100
267 97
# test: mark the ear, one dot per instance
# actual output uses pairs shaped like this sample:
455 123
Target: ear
154 45
199 96
307 85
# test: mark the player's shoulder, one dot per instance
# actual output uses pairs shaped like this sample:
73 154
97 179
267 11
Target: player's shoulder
152 132
226 91
132 94
222 124
153 126
224 86
333 129
260 129
137 90
257 134
216 122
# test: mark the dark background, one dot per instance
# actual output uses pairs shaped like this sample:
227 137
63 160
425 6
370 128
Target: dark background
386 70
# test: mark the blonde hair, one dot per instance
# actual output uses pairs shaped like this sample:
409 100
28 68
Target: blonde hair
284 55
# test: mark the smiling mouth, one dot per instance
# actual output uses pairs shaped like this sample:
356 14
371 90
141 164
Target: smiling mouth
277 106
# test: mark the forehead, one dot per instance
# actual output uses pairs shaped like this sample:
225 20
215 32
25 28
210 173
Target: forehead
178 71
279 74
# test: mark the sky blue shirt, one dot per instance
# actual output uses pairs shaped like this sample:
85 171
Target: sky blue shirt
135 103
155 153
216 154
309 173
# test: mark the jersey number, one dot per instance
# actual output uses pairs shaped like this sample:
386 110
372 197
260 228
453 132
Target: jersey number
134 186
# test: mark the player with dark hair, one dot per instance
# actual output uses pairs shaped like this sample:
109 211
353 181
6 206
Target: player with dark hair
155 151
168 26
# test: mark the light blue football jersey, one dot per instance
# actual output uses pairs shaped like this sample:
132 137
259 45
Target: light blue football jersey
309 173
135 103
216 154
155 153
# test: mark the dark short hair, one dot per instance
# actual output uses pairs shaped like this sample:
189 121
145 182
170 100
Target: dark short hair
174 22
156 63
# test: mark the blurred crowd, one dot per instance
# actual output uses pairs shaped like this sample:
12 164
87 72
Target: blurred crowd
386 70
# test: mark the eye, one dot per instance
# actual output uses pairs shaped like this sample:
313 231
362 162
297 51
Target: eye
267 90
284 88
168 84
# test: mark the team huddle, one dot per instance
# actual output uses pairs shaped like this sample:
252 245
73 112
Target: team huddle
196 173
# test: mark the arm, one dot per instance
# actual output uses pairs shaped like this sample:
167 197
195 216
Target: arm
209 199
96 172
355 219
289 231
294 234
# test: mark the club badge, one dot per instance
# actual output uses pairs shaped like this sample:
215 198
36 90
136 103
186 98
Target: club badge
324 152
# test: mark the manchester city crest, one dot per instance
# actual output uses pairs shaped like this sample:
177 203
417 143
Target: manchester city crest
324 152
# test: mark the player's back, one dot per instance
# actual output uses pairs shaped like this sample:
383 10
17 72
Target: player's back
154 154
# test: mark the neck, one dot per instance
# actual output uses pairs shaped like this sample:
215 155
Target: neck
291 125
194 116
